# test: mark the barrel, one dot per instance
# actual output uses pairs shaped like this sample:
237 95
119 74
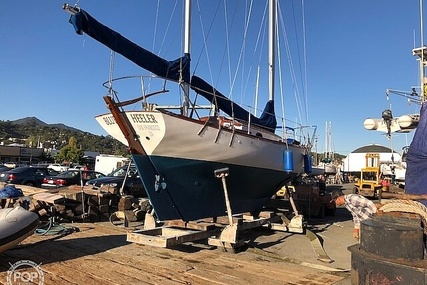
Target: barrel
391 238
390 252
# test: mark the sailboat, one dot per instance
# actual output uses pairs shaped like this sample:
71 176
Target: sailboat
326 165
328 153
190 166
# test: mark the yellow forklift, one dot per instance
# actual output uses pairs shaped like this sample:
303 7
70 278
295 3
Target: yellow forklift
369 184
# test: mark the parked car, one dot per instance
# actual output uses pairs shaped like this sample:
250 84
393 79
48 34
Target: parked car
58 167
14 164
42 164
114 181
4 169
26 175
77 167
70 177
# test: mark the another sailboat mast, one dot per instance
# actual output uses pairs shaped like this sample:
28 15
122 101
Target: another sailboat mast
328 152
272 45
421 53
187 43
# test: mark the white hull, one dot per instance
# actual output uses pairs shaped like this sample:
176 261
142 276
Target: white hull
16 224
163 135
325 168
317 170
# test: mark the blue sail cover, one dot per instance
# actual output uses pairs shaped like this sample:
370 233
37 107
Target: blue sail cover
416 160
83 22
178 70
267 119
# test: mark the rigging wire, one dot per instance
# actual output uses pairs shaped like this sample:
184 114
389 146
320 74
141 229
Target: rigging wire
240 62
282 99
291 67
305 81
205 36
242 48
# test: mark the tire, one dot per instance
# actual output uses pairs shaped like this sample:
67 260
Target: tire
30 183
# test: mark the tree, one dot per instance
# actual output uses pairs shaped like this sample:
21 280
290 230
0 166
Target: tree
31 141
70 152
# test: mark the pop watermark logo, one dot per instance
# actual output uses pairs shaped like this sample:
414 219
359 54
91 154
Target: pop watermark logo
25 272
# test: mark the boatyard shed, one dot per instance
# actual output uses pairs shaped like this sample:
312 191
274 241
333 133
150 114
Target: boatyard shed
356 160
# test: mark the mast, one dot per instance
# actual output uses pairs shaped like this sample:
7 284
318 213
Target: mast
422 54
256 92
327 150
272 13
187 44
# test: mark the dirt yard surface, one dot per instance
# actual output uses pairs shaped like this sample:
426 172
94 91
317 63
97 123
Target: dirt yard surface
98 253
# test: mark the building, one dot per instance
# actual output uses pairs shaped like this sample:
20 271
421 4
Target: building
15 153
20 153
356 160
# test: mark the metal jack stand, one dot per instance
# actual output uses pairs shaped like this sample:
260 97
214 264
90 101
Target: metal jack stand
228 239
296 224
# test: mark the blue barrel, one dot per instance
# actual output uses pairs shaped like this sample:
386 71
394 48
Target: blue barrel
308 163
288 161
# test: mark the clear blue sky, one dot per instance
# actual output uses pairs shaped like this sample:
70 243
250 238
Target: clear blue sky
355 51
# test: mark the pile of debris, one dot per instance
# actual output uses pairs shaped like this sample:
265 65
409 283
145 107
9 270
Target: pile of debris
84 204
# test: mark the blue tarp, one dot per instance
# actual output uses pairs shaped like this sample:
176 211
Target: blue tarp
178 70
10 192
267 119
83 22
416 159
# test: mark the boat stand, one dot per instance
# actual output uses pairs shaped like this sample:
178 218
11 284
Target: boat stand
217 230
222 232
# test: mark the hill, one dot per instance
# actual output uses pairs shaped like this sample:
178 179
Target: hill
32 131
34 121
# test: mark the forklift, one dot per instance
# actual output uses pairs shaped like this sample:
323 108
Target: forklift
369 184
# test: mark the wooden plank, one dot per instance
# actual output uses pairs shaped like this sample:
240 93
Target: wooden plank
167 236
87 190
71 194
49 198
195 225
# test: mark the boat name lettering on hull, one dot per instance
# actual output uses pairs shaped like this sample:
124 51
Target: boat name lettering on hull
148 128
109 120
143 118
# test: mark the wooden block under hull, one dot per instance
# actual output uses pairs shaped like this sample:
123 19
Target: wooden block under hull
167 236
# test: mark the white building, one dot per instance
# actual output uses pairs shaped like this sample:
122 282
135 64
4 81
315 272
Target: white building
356 160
